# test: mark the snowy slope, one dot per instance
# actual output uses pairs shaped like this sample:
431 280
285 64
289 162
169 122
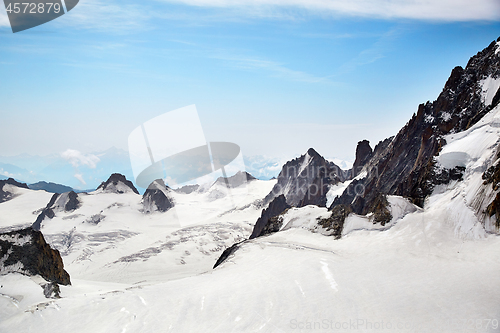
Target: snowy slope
466 201
110 238
416 274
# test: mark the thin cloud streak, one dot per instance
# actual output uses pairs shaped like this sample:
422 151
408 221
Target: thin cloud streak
437 10
274 68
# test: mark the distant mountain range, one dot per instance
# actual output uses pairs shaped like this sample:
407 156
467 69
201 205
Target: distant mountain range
57 172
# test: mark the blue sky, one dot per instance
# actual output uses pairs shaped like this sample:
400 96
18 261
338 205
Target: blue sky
275 77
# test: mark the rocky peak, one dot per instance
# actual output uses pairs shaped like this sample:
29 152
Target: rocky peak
5 194
236 180
66 202
157 198
404 165
275 208
306 180
363 154
117 183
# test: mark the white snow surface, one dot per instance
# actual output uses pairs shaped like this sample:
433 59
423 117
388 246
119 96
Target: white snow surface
490 87
428 270
336 191
464 202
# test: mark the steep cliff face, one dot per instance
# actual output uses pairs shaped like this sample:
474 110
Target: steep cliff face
156 198
265 224
306 180
363 154
405 165
25 251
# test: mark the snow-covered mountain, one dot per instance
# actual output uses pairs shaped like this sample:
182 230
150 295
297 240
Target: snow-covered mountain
405 242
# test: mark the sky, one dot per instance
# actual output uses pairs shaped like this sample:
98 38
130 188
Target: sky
275 77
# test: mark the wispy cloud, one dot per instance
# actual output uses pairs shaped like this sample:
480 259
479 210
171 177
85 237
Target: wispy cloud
275 69
373 53
76 158
109 16
448 10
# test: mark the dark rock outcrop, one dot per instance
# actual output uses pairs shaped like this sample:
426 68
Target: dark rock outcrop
405 166
494 209
66 202
363 154
226 253
25 251
187 189
306 180
117 183
380 209
235 180
335 222
156 198
275 208
6 195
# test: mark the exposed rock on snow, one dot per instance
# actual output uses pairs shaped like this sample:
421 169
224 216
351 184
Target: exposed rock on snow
186 189
363 154
25 251
380 209
156 197
335 222
65 202
265 224
235 180
117 183
8 192
405 166
306 180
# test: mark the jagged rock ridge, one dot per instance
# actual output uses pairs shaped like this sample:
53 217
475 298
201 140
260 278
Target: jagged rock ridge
275 208
235 180
306 180
156 197
406 165
117 183
25 251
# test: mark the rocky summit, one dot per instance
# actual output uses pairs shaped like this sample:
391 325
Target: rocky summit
306 180
117 183
156 197
405 165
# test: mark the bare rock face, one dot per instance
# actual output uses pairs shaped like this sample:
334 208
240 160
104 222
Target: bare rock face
117 183
404 164
25 251
66 202
363 154
275 208
6 195
380 209
156 198
336 221
306 180
236 180
187 189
